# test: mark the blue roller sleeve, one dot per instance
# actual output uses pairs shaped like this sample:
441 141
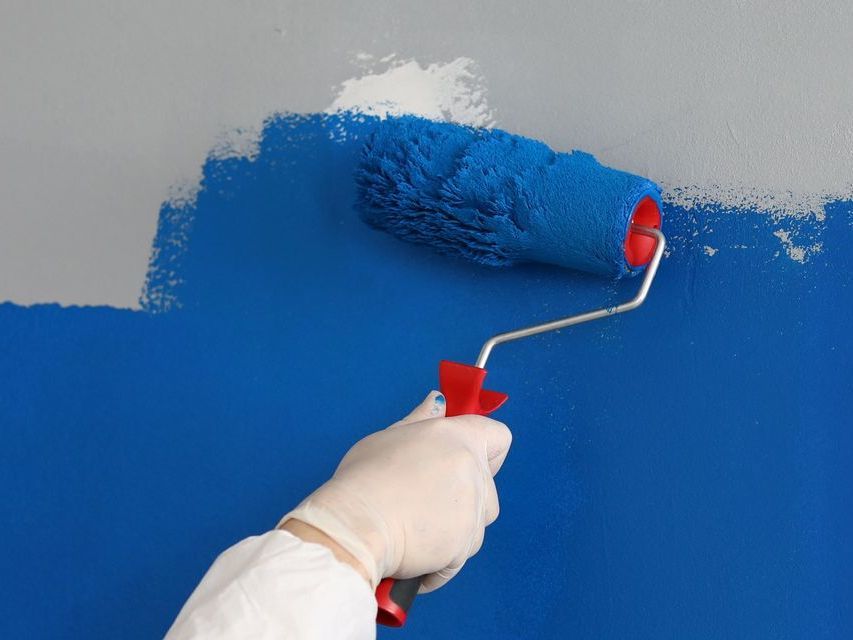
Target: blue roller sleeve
496 198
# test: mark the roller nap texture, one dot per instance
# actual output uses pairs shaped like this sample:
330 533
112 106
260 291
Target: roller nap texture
497 198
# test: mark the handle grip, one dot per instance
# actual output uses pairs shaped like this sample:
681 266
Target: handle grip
462 386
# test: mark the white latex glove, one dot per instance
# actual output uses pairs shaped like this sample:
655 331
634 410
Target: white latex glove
415 498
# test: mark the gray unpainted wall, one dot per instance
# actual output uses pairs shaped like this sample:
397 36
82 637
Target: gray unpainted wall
109 107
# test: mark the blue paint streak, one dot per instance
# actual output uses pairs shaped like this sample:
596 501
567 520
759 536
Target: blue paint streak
496 198
682 471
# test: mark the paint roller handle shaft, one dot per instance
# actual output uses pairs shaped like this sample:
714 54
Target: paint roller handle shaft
462 386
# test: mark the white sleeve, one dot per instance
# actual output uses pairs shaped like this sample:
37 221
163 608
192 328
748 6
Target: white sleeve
277 587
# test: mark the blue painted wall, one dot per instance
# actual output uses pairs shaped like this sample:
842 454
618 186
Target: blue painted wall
682 471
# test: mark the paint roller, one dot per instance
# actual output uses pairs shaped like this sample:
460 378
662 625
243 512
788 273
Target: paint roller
500 199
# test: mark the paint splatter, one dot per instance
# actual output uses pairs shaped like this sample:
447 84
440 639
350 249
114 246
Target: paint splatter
439 403
796 252
452 91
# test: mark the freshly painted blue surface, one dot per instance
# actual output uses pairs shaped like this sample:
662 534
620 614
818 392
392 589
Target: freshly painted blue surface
495 198
681 471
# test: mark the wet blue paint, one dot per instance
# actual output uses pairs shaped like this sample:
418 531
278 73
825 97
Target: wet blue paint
680 471
495 198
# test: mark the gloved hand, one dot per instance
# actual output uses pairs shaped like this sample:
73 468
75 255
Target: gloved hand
415 498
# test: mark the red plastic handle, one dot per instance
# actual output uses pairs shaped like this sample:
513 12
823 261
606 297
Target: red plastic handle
462 386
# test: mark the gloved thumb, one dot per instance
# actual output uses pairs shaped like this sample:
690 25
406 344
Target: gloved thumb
433 406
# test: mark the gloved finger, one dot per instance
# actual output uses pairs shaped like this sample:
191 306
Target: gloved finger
438 579
482 431
433 406
441 577
492 504
477 543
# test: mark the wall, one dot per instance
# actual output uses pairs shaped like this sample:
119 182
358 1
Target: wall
110 108
681 471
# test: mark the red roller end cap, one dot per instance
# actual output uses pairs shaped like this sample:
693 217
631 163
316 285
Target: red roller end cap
639 248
